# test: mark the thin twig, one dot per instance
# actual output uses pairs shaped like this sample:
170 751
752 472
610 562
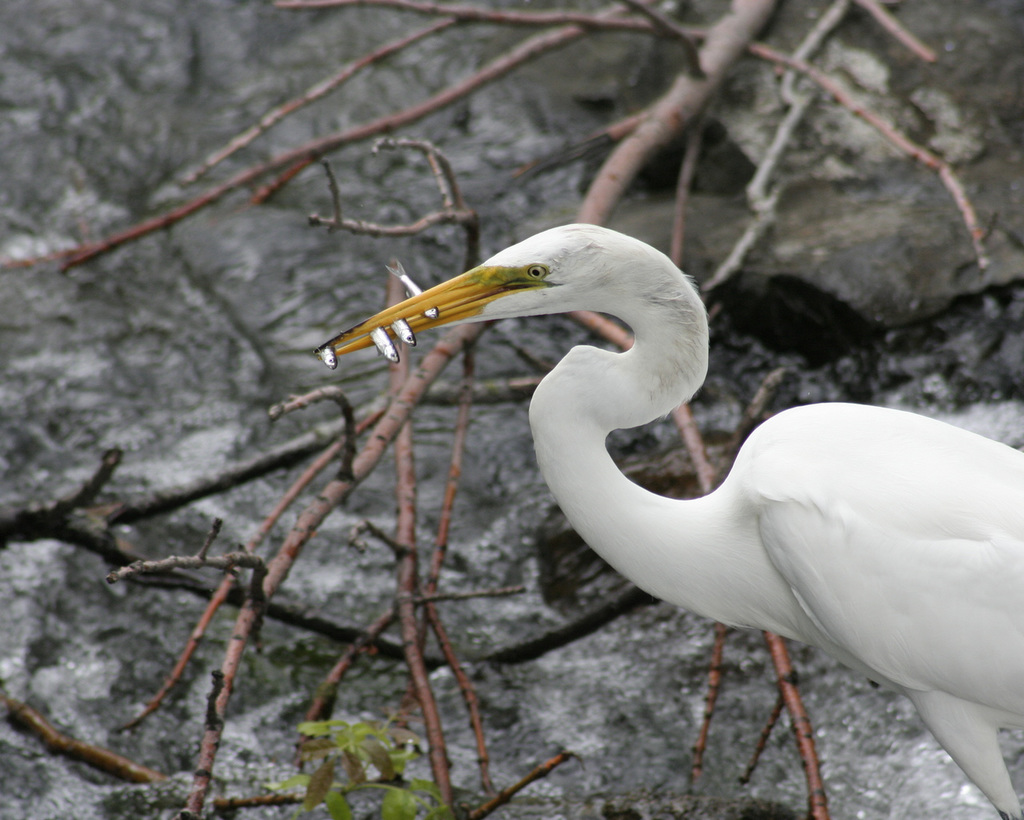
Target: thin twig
690 433
213 728
226 562
485 391
760 198
687 171
754 411
408 582
444 175
215 527
498 592
543 770
725 44
481 14
366 228
323 701
327 393
896 137
763 219
896 29
668 27
332 186
312 94
105 760
430 595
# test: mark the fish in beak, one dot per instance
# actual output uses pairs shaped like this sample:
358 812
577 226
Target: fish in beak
462 299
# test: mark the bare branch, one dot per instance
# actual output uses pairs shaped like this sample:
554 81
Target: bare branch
893 26
896 138
669 28
98 758
543 770
311 95
676 110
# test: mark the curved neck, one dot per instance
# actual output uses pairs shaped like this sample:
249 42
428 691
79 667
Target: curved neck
685 552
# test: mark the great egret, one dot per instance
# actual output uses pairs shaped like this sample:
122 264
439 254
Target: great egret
892 541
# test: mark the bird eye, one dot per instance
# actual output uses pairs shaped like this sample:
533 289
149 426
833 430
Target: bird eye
536 271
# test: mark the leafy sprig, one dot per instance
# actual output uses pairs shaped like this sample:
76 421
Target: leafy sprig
371 755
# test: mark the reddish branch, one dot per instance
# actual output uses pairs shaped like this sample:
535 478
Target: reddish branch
543 770
23 715
305 527
296 159
316 92
320 707
687 171
408 584
762 740
707 476
479 14
345 447
433 618
725 43
777 647
524 52
896 137
892 25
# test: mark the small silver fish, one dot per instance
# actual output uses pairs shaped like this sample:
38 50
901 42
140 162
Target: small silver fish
384 344
411 289
326 355
404 332
396 269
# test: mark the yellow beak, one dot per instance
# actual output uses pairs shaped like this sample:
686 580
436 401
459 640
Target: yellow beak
456 300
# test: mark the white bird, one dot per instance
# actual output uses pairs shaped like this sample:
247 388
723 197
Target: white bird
892 541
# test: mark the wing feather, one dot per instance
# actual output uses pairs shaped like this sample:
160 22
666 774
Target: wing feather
903 540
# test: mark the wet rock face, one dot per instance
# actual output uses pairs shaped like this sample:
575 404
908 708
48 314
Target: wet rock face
865 237
172 348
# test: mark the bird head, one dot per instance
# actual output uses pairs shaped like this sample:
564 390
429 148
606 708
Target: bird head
572 267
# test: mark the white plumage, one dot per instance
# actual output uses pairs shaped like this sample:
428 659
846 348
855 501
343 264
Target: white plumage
892 541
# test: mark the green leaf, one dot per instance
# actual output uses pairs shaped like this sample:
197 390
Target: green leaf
316 728
379 757
354 767
400 759
319 784
360 730
337 806
398 804
441 812
317 747
419 784
293 782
